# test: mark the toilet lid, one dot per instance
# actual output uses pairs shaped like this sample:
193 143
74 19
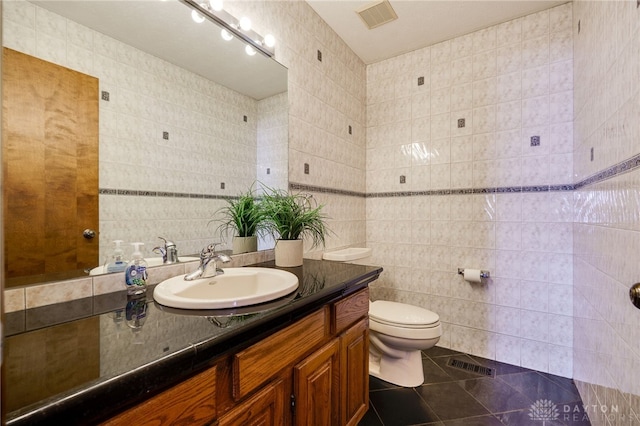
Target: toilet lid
402 314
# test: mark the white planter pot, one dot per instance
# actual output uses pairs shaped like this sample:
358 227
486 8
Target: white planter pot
289 253
244 244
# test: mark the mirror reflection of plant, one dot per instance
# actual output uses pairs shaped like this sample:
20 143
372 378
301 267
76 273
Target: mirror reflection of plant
293 216
242 214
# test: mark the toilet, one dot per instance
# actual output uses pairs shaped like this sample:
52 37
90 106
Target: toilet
398 332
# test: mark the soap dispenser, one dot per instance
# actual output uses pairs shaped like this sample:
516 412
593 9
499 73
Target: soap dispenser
135 276
117 263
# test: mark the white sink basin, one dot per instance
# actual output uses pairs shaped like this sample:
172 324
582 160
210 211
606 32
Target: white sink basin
151 261
236 287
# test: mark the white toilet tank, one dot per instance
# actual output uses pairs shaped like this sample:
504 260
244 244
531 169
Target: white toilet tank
350 254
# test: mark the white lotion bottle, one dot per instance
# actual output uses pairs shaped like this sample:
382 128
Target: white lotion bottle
117 262
135 276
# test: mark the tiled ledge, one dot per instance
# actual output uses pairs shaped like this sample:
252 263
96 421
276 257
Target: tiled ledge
17 299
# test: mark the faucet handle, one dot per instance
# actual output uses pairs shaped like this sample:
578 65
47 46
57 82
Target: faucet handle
209 251
167 243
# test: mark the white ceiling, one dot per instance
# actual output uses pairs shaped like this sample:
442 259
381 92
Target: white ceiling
420 23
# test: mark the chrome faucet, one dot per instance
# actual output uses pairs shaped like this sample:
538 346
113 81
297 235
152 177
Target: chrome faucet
208 263
169 252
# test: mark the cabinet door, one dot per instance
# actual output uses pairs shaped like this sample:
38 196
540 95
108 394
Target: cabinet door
316 387
266 408
354 373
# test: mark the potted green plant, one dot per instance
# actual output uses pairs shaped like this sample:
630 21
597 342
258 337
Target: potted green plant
290 218
244 217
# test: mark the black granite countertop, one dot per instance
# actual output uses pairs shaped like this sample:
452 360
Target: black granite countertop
83 361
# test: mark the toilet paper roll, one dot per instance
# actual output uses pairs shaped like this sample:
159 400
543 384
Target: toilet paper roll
472 275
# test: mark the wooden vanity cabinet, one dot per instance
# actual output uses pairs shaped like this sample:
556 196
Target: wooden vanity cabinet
192 402
314 372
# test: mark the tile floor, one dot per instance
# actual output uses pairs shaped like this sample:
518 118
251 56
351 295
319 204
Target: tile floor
456 397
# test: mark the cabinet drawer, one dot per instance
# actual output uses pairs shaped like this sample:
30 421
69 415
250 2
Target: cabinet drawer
350 309
192 402
262 361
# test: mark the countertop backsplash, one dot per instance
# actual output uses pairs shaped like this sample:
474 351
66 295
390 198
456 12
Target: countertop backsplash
28 297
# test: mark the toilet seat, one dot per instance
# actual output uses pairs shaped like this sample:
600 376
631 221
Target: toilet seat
402 315
404 321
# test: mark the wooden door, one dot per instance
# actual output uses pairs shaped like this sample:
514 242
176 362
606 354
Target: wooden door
354 373
316 384
266 408
50 169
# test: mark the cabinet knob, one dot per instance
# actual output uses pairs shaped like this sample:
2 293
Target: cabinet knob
89 234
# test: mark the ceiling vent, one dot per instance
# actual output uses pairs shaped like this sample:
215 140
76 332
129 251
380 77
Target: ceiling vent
377 14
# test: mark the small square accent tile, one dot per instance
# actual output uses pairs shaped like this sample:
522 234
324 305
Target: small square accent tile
268 170
222 185
165 136
403 179
535 140
461 123
319 56
350 130
306 168
245 118
420 81
105 95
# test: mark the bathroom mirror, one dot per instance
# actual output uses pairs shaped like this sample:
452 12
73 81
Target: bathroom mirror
187 119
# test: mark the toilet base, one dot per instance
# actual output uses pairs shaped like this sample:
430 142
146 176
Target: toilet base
406 371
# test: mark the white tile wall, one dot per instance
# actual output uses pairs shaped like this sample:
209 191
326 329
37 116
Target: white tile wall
509 82
606 225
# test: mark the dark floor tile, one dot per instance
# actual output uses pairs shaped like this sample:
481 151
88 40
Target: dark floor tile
457 373
401 407
537 387
370 418
499 367
524 418
433 373
474 421
496 395
564 382
437 351
376 384
450 401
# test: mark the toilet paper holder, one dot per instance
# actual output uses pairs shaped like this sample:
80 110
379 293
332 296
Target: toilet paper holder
483 274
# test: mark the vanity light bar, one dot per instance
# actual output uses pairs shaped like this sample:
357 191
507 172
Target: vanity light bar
226 21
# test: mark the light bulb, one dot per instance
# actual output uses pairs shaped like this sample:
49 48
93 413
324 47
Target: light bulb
197 17
245 23
269 40
216 5
249 50
226 35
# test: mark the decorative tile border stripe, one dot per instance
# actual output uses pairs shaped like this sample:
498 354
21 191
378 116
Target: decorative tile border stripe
613 171
456 191
321 189
143 193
